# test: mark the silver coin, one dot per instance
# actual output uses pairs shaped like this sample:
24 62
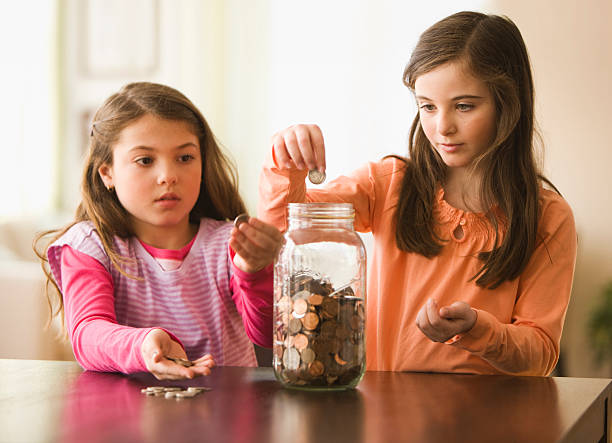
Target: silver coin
242 218
198 389
316 177
291 359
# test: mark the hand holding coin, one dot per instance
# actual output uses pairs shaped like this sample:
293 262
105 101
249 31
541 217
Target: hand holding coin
302 147
166 359
256 243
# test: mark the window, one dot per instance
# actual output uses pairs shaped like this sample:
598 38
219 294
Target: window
29 120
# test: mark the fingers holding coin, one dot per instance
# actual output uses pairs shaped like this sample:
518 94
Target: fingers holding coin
256 244
300 146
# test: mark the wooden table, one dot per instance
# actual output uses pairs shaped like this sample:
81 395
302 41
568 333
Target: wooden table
49 401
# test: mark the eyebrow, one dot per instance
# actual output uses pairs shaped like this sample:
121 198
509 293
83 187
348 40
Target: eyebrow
459 97
148 148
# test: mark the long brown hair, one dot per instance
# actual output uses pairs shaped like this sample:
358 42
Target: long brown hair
492 49
218 199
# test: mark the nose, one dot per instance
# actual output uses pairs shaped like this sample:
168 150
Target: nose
446 123
167 174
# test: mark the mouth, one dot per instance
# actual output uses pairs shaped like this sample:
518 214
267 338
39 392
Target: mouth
169 196
450 147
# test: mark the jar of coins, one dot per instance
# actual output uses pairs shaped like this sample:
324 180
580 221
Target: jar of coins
319 299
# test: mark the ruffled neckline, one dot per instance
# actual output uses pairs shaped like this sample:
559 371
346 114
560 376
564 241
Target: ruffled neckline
445 213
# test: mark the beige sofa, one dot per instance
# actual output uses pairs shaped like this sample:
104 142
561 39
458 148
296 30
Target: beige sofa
24 312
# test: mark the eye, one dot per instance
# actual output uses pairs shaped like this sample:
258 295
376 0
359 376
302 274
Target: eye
464 106
144 161
186 158
427 107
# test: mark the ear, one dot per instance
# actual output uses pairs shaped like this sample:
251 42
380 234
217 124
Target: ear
106 174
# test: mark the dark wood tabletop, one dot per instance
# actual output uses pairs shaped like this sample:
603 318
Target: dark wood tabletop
52 401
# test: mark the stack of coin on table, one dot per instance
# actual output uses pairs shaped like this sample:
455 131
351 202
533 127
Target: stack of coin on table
174 391
319 334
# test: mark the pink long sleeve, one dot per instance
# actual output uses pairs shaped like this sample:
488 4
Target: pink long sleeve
252 294
98 342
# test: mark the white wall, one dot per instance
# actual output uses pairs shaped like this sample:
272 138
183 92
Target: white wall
338 64
570 45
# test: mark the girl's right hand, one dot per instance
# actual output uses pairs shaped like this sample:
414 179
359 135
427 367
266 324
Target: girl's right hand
157 345
299 146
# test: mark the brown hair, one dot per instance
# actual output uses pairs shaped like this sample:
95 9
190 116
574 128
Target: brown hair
218 199
492 49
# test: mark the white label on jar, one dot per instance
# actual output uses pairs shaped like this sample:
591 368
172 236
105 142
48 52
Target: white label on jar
337 262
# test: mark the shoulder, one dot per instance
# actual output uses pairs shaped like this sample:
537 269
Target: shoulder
554 209
383 172
556 225
390 165
81 236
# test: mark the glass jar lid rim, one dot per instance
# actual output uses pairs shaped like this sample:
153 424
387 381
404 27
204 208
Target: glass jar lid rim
321 210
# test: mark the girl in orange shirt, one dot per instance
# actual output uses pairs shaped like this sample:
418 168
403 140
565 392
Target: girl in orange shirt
473 255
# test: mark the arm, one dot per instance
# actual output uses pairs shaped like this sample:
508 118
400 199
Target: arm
529 345
99 343
253 246
283 179
252 294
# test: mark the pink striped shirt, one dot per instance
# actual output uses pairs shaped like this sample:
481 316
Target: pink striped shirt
206 304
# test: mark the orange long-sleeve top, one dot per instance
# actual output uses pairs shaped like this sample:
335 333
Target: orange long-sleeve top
519 323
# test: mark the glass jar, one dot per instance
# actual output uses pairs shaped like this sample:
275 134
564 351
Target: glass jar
319 299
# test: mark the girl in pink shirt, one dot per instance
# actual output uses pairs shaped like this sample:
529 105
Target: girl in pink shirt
151 270
473 257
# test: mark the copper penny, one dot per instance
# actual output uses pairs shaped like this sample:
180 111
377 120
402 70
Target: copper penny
300 342
310 321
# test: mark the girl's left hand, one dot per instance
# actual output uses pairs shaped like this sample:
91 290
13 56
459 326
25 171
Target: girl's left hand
256 244
442 324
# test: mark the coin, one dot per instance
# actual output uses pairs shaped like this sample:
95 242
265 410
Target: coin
316 177
242 218
295 325
300 342
308 355
323 340
339 360
315 299
310 321
181 361
330 307
197 389
174 391
291 359
300 307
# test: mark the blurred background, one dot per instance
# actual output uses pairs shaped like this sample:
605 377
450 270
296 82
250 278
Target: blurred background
256 66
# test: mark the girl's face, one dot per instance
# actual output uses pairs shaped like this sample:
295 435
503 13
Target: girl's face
156 172
457 113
